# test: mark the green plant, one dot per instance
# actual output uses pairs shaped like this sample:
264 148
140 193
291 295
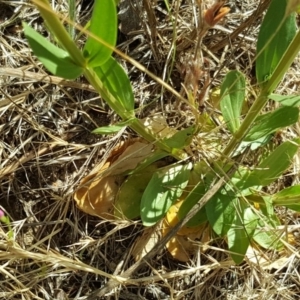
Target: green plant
232 210
5 220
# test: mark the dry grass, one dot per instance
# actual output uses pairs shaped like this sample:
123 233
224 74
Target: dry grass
46 148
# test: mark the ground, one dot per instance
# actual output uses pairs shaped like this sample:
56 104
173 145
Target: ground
46 148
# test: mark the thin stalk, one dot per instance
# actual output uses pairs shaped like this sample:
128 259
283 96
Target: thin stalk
283 65
253 112
59 31
136 125
262 99
65 40
72 14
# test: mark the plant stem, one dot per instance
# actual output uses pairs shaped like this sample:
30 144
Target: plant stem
136 125
59 31
253 112
72 14
68 44
283 65
262 99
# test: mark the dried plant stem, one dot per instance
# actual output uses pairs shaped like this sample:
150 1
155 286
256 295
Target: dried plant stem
19 73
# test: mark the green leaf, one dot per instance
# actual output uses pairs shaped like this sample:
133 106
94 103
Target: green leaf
199 189
112 128
286 100
241 231
103 25
193 197
117 82
232 99
253 145
266 233
154 157
181 138
267 238
271 122
164 188
276 33
129 197
272 167
220 212
55 60
289 197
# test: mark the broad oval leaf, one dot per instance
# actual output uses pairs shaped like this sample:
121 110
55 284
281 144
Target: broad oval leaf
270 168
195 190
289 197
286 100
181 138
129 197
271 122
164 188
193 197
241 232
104 25
253 145
232 99
266 234
268 238
220 211
117 82
276 33
56 60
